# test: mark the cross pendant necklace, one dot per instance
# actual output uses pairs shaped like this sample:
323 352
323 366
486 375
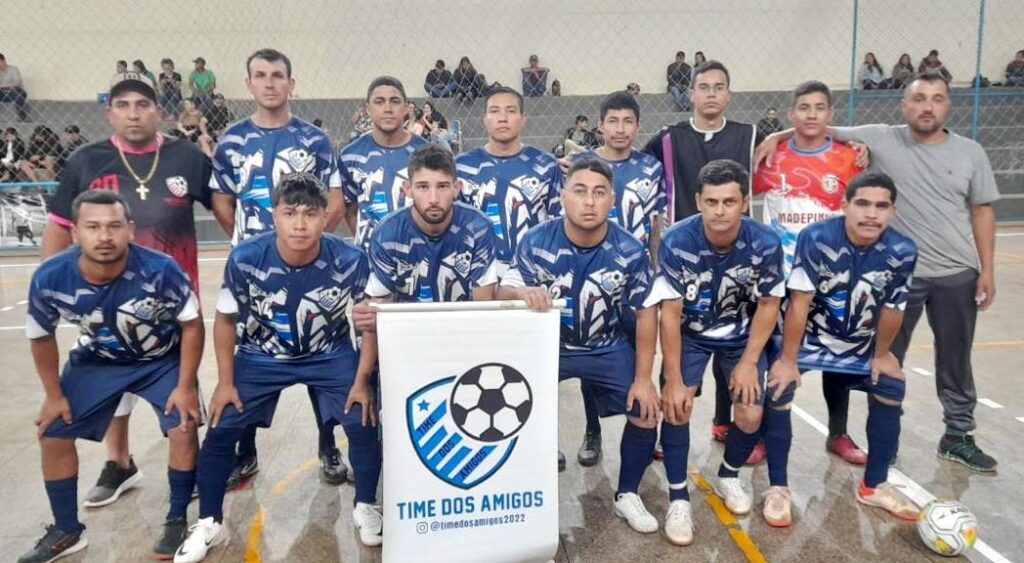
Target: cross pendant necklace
142 190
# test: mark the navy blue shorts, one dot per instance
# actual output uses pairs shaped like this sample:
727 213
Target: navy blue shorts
887 387
605 375
695 358
94 387
260 380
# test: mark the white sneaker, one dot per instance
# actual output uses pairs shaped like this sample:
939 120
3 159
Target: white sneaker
679 523
736 499
630 507
369 523
203 535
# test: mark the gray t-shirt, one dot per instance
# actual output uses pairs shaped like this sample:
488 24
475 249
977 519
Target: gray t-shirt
10 78
937 185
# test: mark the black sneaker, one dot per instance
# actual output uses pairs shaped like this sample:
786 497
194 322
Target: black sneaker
114 480
590 450
964 450
244 468
175 532
561 461
332 469
54 545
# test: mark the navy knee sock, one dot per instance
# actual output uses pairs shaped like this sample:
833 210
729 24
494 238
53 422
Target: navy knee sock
364 453
723 400
182 483
777 432
636 451
247 442
883 438
216 460
837 398
675 442
63 495
590 410
326 441
738 446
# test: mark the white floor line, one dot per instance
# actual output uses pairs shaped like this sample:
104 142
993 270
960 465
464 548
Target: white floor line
916 492
5 309
922 372
22 302
1020 419
990 403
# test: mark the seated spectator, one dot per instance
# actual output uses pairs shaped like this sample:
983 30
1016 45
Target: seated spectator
870 75
42 158
73 140
203 84
932 62
579 138
902 72
678 77
188 122
698 59
633 88
556 88
768 124
436 127
140 67
169 90
361 123
439 83
469 83
12 152
213 124
1015 70
414 119
12 89
535 78
121 68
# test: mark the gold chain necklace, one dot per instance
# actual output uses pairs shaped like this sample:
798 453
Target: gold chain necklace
142 190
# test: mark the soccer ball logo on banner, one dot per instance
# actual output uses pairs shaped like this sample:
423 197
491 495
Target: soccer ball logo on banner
464 428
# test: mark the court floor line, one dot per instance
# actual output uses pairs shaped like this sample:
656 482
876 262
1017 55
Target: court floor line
728 520
916 492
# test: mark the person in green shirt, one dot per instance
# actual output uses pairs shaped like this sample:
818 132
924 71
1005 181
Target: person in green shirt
203 83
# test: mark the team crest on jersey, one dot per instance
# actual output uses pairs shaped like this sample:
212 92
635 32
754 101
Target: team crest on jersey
144 309
298 160
463 261
529 186
611 281
464 427
177 185
830 183
328 297
642 186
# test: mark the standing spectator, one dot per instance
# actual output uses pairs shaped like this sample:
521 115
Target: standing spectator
902 72
43 155
698 59
73 141
633 89
769 124
678 76
1015 70
170 89
579 137
11 155
213 124
436 127
140 67
469 83
932 62
188 122
556 88
870 75
439 83
203 82
361 122
535 78
11 88
120 68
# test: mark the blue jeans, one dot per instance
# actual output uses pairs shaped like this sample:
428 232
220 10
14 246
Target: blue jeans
19 97
679 97
1015 81
534 89
439 92
170 100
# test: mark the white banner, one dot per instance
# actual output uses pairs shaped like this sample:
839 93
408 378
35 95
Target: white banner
469 411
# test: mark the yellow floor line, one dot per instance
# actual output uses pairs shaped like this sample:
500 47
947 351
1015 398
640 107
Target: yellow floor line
993 344
739 537
252 547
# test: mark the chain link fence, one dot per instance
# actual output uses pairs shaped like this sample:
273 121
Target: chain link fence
67 54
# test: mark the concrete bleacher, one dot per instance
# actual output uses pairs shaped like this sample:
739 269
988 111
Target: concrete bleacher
1001 124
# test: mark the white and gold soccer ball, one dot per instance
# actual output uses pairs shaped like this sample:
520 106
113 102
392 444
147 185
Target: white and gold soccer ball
947 527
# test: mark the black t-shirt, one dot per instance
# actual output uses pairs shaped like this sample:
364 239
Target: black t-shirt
170 83
691 150
218 118
163 220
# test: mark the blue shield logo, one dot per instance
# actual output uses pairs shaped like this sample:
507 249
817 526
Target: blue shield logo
464 427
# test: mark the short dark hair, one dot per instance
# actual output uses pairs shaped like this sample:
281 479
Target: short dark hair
581 118
166 61
2 57
933 53
723 171
271 56
1021 52
871 180
300 188
432 157
930 76
439 63
620 100
592 164
123 63
811 87
98 197
680 54
72 129
385 81
503 90
708 66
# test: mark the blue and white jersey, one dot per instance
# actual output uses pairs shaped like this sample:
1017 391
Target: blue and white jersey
134 318
412 266
850 287
251 160
373 176
288 312
719 290
597 282
516 192
639 191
